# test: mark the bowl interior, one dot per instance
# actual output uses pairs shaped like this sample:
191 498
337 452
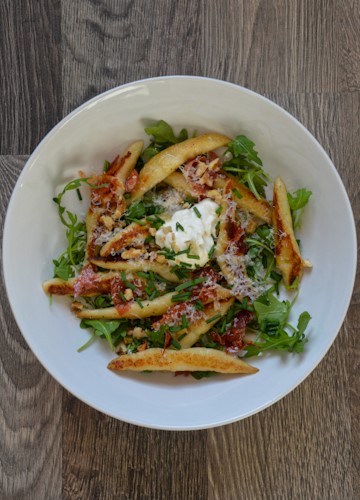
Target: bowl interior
99 130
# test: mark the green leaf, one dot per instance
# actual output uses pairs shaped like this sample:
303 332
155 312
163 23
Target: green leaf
102 328
246 165
271 313
297 202
303 322
243 146
163 134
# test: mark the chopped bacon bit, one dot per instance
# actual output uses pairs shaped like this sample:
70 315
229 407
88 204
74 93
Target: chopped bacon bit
131 181
233 340
192 170
117 287
168 339
117 163
236 234
89 282
105 197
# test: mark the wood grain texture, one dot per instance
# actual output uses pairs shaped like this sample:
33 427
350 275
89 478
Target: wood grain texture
105 458
30 85
30 400
305 55
127 40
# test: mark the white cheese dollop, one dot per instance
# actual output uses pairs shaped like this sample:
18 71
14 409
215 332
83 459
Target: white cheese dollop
198 232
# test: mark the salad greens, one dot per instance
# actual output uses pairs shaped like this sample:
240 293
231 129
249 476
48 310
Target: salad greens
245 165
269 327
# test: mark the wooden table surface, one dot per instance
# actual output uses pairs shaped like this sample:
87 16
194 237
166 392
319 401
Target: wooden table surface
304 55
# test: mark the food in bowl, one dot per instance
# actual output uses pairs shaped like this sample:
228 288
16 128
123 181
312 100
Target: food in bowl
180 259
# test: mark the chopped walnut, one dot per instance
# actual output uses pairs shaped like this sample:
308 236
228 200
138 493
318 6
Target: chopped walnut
214 165
137 333
121 348
207 179
128 294
107 221
201 169
132 253
215 195
77 306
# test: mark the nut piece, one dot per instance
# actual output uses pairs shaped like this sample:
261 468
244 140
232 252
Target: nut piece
107 221
128 294
137 333
132 253
161 259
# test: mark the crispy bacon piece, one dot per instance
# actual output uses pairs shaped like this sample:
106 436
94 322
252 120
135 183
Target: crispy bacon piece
131 181
117 163
89 281
198 174
233 339
117 287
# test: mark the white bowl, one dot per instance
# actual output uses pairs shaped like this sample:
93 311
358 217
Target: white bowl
99 129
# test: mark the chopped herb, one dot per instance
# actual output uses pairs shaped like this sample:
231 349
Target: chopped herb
179 227
198 214
184 321
106 166
181 297
199 306
191 256
122 296
237 193
211 252
190 284
79 194
176 344
218 210
139 302
142 274
214 318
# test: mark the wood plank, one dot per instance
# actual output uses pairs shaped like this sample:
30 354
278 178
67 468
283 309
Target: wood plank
30 400
272 46
110 43
30 85
307 445
106 458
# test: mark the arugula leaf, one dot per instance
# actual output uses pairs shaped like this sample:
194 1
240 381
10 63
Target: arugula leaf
163 133
298 201
271 313
73 257
246 165
242 146
275 333
162 137
102 328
